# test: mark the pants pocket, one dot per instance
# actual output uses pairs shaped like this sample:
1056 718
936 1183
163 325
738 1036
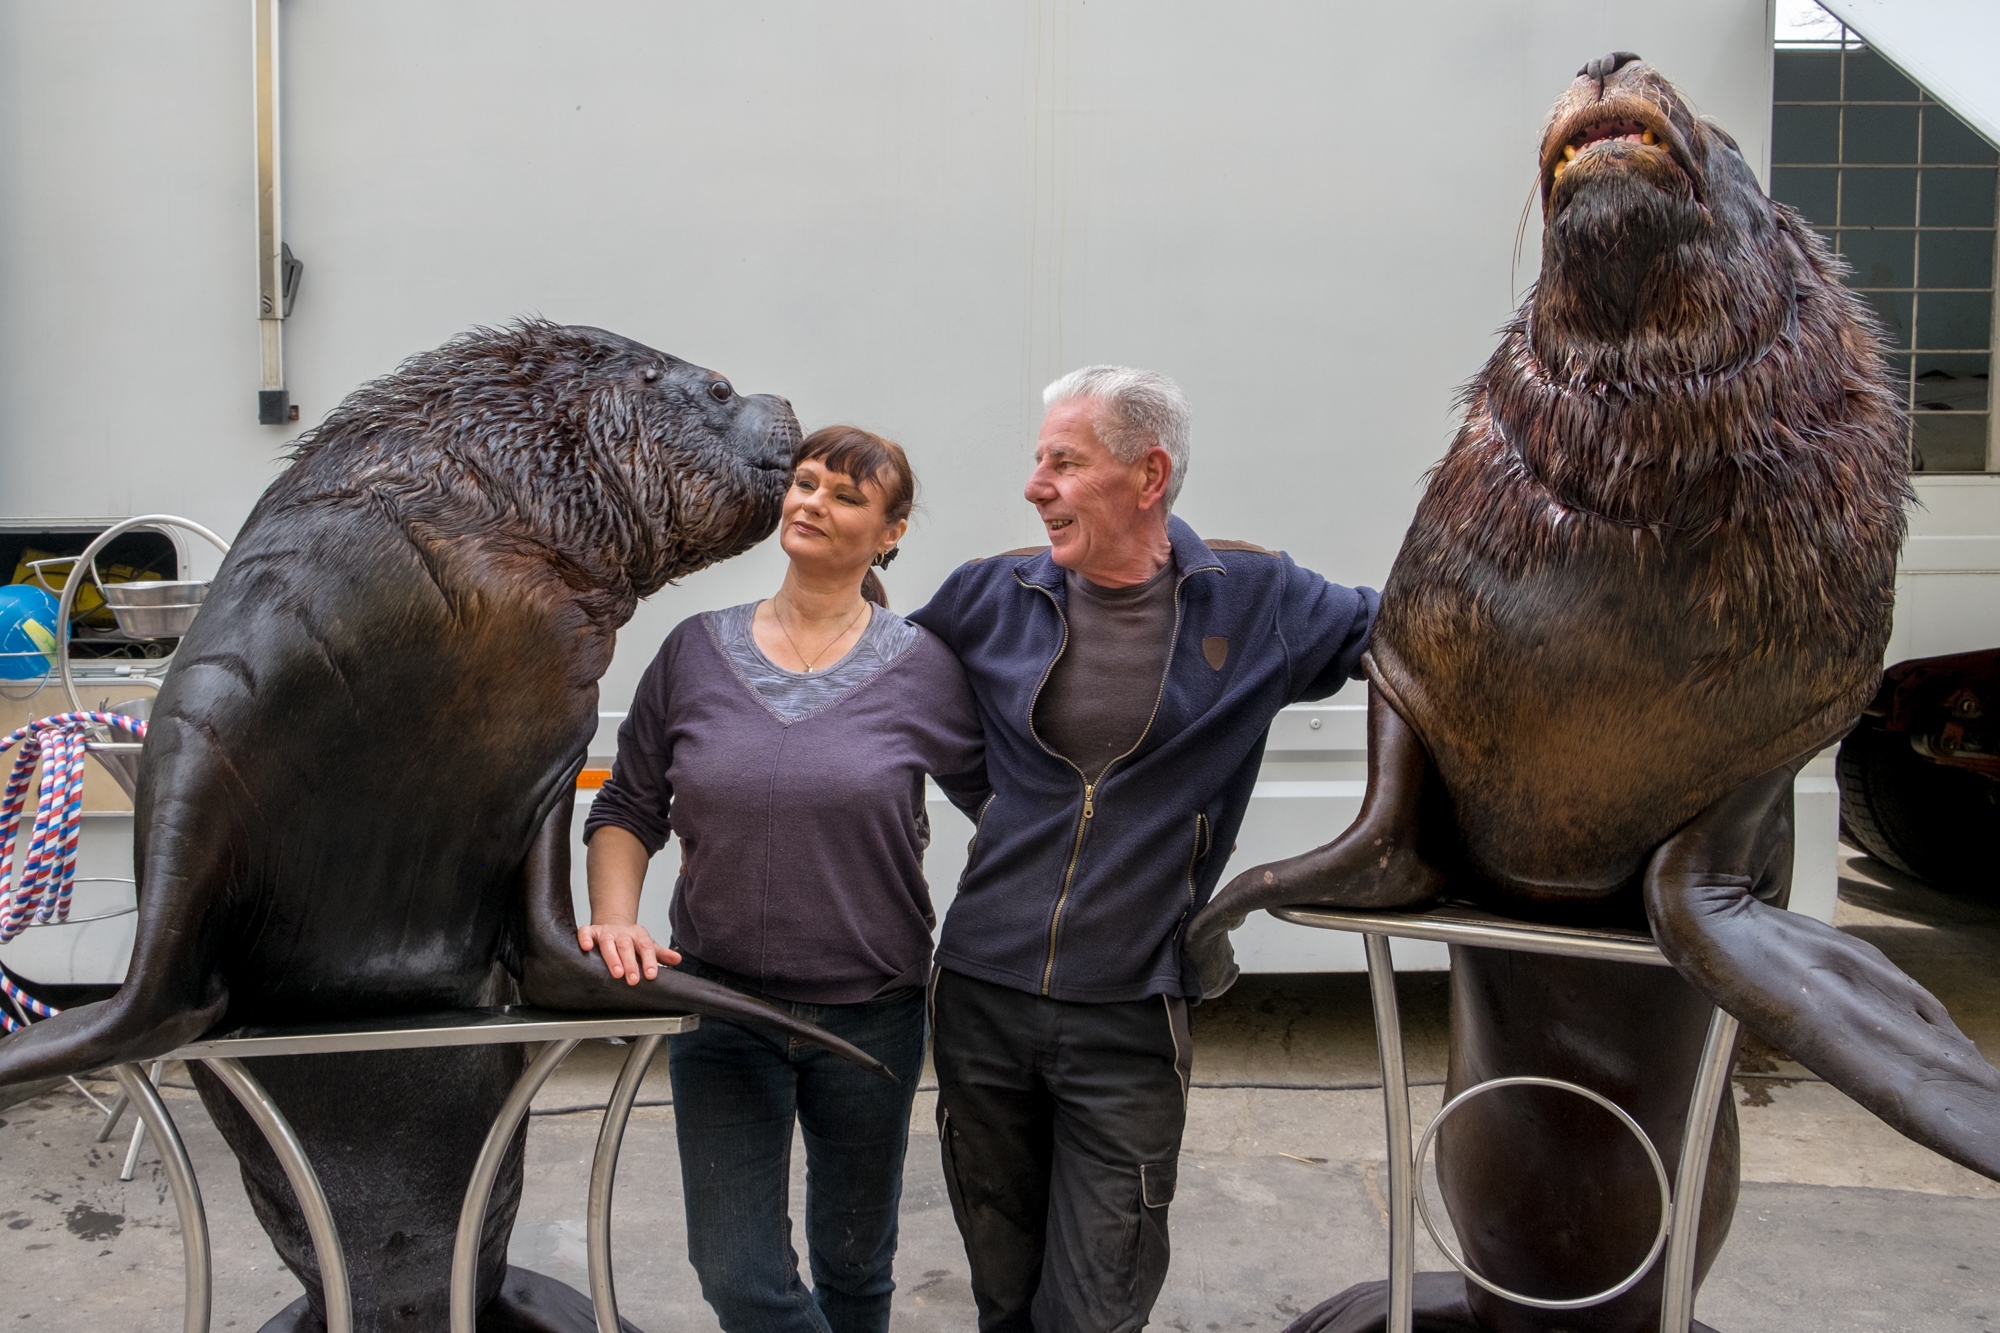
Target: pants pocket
1154 1251
949 1162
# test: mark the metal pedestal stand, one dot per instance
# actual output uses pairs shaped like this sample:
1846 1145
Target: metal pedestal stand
1680 1206
562 1032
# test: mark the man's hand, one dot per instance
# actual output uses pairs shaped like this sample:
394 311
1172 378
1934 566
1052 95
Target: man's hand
627 949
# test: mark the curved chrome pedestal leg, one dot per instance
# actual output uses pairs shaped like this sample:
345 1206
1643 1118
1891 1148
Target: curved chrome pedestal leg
1711 1085
138 1091
604 1170
1402 1189
291 1156
479 1192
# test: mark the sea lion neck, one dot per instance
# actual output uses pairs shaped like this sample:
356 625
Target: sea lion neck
1774 488
1659 452
1667 300
575 466
464 513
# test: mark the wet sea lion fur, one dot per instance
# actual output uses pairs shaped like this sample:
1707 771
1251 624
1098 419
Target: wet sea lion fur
355 795
1651 578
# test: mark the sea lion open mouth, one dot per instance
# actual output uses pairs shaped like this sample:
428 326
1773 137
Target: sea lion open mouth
1620 129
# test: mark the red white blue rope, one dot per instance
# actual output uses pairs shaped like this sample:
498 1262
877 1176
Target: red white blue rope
39 894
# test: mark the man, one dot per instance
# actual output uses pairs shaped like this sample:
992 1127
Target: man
1126 676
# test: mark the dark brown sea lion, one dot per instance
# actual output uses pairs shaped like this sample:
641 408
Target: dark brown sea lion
1652 576
355 794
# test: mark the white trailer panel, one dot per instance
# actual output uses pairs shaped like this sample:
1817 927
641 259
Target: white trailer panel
905 215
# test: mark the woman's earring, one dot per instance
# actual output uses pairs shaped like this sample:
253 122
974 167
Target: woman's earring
882 558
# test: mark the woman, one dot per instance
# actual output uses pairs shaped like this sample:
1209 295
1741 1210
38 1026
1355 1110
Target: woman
786 742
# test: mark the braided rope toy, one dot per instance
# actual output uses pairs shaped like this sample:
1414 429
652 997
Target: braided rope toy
39 895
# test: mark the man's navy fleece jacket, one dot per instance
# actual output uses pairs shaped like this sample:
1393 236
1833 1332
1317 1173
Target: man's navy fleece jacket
1083 895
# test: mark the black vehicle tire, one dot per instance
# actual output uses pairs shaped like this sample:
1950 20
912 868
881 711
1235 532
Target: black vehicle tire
1940 824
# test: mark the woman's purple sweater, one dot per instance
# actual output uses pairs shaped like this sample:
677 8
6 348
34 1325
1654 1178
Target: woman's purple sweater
802 841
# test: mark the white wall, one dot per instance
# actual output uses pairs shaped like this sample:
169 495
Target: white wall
905 215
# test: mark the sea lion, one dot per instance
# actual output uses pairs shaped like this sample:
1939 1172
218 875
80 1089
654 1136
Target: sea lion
1652 576
355 794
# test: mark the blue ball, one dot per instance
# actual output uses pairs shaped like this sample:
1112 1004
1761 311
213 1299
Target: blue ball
27 632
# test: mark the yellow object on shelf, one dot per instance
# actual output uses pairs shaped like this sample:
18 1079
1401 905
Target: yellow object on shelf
90 608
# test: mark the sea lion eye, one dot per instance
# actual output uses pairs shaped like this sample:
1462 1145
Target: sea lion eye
720 391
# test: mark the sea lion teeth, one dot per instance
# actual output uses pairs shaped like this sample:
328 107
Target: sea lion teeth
1646 137
1569 154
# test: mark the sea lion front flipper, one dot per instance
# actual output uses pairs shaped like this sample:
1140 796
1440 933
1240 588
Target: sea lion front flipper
557 974
1832 1002
1375 864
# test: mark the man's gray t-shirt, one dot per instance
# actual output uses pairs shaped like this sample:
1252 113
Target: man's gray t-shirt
1098 700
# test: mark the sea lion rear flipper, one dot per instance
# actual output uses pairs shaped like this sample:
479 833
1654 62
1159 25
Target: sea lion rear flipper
557 974
116 1031
1833 1002
1375 864
172 991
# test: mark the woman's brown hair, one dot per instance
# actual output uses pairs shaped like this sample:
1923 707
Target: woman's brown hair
866 457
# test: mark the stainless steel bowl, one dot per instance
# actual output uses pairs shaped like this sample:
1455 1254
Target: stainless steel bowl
159 609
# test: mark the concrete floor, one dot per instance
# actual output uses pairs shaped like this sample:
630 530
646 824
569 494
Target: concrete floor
1843 1224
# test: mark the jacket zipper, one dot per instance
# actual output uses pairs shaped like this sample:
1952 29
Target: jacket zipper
1089 787
1194 859
978 825
1200 850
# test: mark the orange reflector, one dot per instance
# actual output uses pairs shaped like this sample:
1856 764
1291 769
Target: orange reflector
592 778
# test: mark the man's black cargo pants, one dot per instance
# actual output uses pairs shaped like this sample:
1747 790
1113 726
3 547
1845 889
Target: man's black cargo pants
1060 1126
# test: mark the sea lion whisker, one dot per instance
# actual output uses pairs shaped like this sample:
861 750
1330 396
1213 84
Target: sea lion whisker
1520 235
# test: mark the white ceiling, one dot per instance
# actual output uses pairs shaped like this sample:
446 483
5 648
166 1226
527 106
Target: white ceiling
1951 47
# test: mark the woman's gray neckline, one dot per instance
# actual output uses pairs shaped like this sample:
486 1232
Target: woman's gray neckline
808 673
793 696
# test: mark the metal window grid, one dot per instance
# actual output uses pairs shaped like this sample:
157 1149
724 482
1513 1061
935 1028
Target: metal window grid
1927 109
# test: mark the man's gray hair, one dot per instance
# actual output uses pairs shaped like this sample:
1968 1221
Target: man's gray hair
1137 409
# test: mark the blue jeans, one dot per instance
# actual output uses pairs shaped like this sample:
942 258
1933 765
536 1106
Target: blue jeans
737 1092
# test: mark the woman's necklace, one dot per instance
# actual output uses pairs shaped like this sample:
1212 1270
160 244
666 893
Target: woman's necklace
811 662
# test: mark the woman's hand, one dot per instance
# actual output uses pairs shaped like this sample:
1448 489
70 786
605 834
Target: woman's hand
616 863
627 949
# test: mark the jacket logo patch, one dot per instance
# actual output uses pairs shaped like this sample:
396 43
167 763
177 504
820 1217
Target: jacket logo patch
1216 649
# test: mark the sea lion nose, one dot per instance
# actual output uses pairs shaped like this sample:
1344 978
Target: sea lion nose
1604 67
